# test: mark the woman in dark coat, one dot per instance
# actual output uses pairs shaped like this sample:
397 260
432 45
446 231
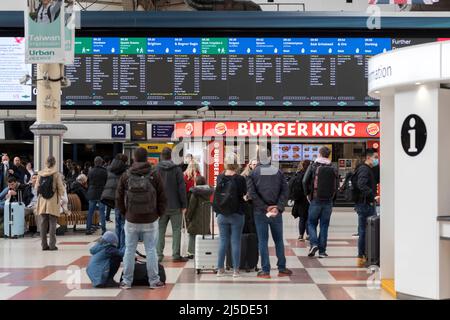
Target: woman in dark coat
197 220
301 203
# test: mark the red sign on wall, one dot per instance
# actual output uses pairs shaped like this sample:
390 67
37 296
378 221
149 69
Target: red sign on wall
293 129
215 161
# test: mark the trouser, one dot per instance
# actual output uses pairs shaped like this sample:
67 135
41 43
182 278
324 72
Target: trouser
48 224
364 211
263 223
191 247
230 232
319 211
108 213
303 223
175 218
101 208
114 266
149 233
120 223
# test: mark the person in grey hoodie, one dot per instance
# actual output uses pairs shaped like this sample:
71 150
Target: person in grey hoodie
175 191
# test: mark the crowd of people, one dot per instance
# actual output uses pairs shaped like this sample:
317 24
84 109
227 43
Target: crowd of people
146 197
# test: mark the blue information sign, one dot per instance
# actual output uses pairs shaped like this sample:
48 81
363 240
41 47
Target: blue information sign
118 130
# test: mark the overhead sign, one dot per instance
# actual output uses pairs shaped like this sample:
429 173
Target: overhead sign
413 135
162 130
118 130
138 130
44 32
344 129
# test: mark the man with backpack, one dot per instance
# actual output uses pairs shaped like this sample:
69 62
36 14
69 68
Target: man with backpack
175 190
140 198
320 184
365 190
268 189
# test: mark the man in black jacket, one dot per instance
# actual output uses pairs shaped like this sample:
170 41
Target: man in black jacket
97 179
7 169
268 189
175 191
321 194
21 173
367 198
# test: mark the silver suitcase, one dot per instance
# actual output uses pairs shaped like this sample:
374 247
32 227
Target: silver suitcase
206 247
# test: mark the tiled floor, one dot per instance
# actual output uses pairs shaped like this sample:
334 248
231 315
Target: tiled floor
26 272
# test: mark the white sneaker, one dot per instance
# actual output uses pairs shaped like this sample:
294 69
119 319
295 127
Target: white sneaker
220 273
236 274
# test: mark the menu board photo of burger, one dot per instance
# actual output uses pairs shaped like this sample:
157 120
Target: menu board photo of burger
287 152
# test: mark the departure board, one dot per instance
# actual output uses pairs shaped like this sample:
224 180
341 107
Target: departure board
222 72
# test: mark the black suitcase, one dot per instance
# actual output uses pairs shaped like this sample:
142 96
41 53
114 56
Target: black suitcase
140 277
249 253
373 241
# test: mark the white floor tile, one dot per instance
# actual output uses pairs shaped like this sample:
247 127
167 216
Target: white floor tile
244 277
364 293
8 291
172 274
3 274
337 262
97 293
235 291
69 275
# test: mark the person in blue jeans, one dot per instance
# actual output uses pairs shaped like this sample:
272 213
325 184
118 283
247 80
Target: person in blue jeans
120 227
366 188
97 178
320 184
228 204
145 202
268 189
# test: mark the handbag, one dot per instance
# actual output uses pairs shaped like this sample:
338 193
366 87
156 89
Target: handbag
184 237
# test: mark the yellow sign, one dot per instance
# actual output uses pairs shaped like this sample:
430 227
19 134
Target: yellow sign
155 147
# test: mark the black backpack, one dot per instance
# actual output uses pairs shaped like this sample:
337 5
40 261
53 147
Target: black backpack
324 182
226 200
46 187
141 195
350 187
296 187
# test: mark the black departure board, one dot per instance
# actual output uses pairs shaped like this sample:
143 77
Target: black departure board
221 72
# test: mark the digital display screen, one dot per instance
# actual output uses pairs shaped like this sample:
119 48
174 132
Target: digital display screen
287 152
230 73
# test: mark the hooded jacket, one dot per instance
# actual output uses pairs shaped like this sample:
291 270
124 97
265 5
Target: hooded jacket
97 179
99 264
366 184
50 206
174 186
198 214
115 170
141 168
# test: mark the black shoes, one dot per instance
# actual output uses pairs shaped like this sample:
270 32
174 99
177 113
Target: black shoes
312 251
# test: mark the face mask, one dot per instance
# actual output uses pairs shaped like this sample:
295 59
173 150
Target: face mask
5 163
375 162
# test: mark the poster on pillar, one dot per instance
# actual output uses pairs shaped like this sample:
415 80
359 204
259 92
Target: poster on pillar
215 161
45 31
70 16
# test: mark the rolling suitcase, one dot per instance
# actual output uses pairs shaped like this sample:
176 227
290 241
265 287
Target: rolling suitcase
373 241
14 219
206 246
249 253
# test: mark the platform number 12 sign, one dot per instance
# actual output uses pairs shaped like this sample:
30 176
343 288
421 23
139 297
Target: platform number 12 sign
118 131
414 135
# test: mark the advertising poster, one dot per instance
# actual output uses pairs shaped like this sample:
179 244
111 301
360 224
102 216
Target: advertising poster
44 31
69 32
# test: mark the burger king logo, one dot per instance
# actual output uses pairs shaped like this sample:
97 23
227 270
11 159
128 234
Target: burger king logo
220 128
188 129
373 129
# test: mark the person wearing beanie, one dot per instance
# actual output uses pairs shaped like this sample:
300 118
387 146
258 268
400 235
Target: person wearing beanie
105 261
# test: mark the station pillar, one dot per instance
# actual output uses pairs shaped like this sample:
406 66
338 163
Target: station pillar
48 129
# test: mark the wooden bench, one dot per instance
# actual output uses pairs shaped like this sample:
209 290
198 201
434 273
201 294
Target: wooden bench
73 218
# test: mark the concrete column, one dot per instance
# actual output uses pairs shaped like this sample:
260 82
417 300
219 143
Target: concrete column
48 129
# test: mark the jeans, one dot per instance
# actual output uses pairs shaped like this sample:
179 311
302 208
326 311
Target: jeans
230 230
120 223
175 218
262 229
108 213
319 210
364 211
149 234
101 208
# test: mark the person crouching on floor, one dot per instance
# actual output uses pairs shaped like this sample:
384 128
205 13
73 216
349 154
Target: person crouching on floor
105 261
198 221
